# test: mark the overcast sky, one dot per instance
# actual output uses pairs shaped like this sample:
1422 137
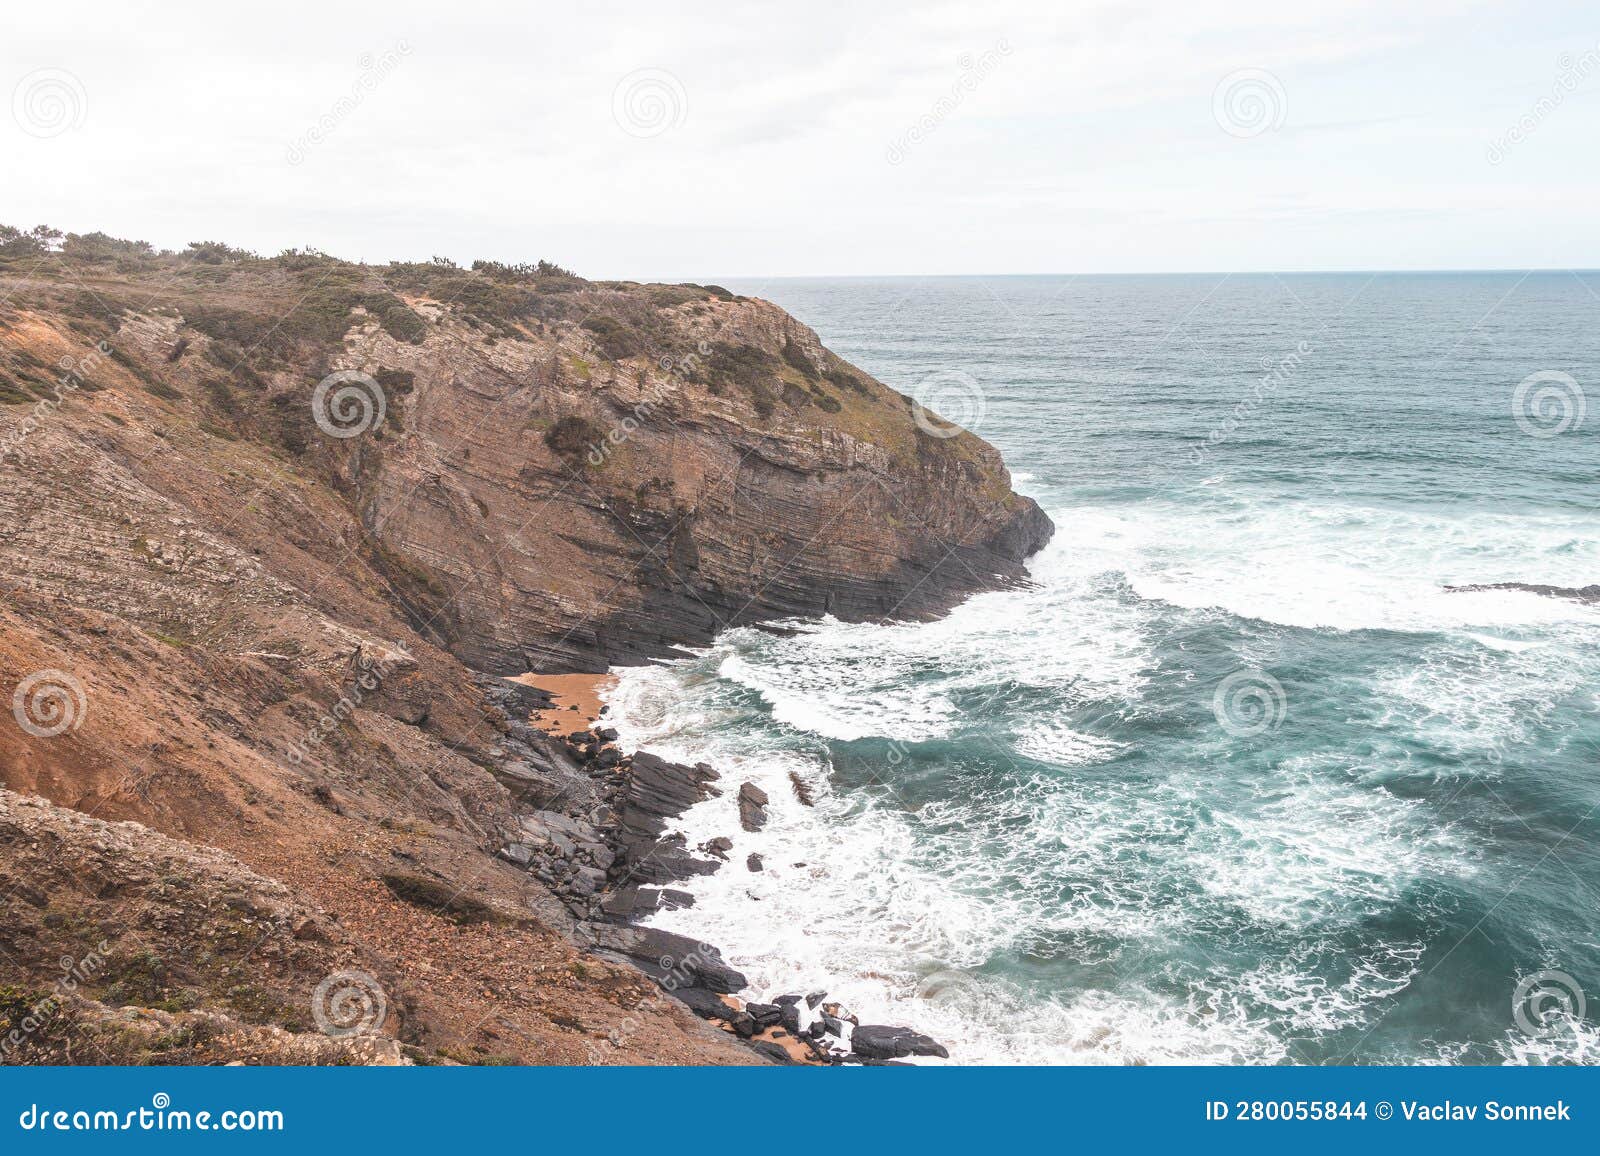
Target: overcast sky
696 141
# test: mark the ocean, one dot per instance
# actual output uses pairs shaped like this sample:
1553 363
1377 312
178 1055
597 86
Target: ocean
1237 779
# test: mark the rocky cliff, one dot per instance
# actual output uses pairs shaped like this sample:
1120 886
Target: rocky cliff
262 520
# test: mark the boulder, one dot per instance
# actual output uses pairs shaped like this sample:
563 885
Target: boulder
660 954
519 853
708 1005
766 1015
752 807
773 1052
878 1042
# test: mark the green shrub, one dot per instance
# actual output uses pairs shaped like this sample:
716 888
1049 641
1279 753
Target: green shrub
616 340
572 436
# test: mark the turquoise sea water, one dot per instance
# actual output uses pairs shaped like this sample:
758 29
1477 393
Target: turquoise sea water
1238 780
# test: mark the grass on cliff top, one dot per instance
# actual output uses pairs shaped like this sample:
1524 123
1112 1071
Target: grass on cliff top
264 313
270 305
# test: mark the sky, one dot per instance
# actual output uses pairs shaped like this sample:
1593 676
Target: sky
692 141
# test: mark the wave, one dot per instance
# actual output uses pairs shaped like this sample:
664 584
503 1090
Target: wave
1031 838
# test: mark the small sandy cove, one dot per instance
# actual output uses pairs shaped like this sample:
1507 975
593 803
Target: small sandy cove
576 696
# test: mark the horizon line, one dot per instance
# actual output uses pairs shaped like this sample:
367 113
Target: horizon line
1525 270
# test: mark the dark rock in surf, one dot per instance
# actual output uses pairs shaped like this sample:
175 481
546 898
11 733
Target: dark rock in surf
752 807
1584 594
876 1041
802 791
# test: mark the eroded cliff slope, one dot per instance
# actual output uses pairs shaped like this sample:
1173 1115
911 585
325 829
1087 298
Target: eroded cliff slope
262 520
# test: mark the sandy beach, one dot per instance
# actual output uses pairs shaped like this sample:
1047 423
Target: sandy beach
578 700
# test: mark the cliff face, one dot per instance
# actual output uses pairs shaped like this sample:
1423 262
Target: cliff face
565 473
582 509
261 606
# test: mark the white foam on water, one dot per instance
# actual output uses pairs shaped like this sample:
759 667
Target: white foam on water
1057 743
1314 850
1344 567
1479 703
1298 988
898 909
866 900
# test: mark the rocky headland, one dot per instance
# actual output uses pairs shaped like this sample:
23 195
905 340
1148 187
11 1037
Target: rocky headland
274 534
